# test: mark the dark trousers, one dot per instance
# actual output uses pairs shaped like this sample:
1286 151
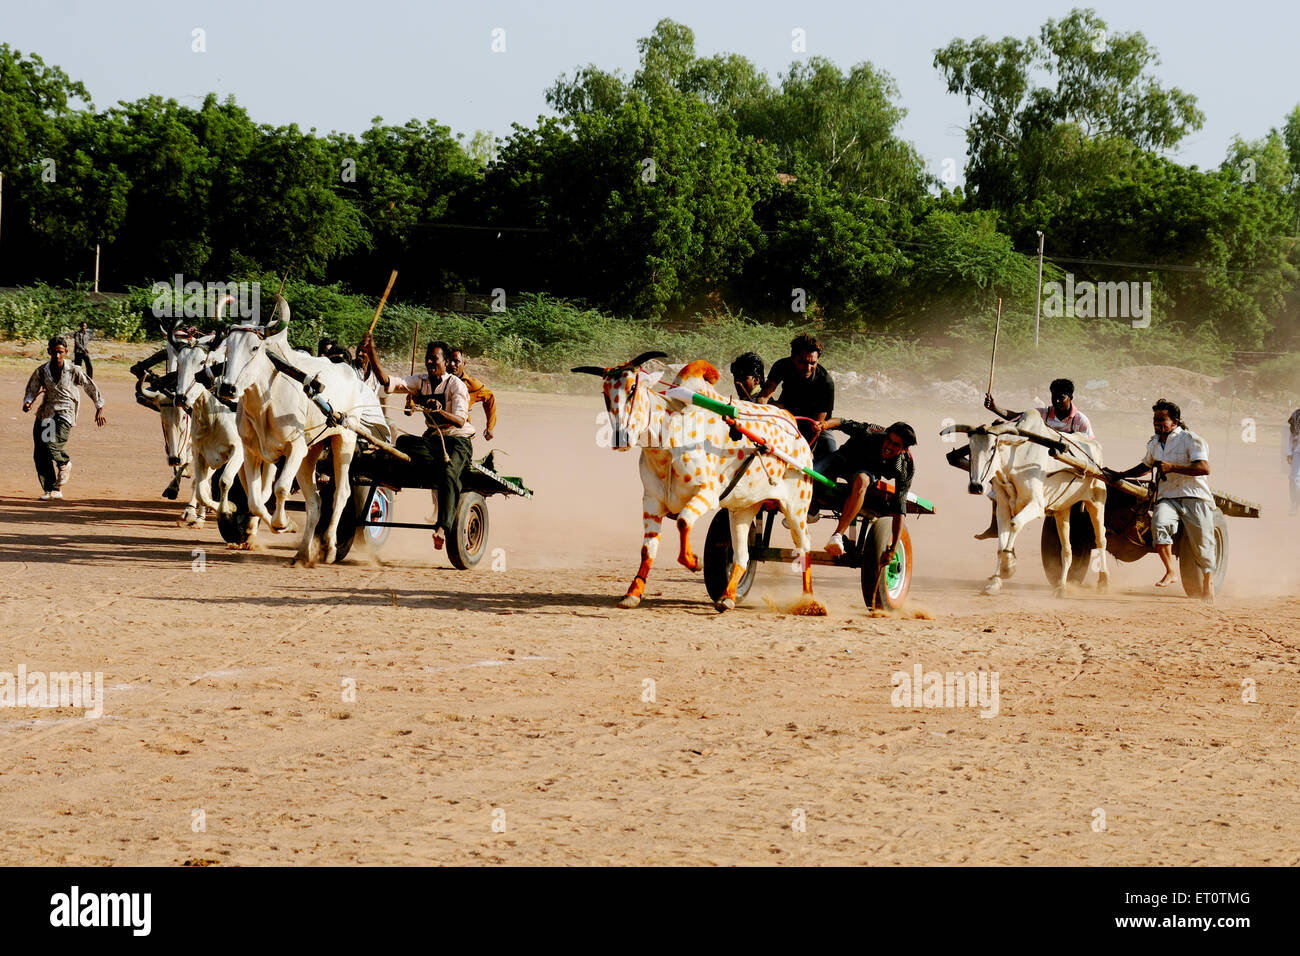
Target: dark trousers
428 468
83 358
48 449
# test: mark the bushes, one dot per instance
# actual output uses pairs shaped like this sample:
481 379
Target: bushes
41 311
1279 377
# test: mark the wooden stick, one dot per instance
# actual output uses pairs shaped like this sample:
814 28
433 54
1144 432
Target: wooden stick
382 299
993 361
415 344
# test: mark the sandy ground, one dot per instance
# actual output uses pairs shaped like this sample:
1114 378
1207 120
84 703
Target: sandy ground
499 714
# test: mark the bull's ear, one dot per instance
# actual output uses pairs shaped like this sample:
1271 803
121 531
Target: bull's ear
588 370
207 340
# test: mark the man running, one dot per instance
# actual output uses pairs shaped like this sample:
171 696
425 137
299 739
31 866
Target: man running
81 349
871 454
1182 460
58 379
1292 437
1061 415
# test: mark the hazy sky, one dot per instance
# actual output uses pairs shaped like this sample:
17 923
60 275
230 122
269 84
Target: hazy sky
335 64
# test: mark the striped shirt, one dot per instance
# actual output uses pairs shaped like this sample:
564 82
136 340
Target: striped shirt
451 391
60 388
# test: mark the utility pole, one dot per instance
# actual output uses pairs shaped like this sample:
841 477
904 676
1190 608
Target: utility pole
96 268
2 194
1038 301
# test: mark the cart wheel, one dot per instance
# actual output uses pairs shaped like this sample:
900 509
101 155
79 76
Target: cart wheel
1082 542
1188 569
718 558
234 529
381 509
346 532
468 538
887 587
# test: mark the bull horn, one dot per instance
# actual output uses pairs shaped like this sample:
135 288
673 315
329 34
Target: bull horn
282 316
221 307
589 370
207 340
1051 443
644 357
962 429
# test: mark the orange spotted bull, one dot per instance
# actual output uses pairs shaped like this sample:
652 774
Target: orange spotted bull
693 461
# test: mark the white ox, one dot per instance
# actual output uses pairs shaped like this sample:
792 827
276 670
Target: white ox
276 419
688 458
1028 483
215 437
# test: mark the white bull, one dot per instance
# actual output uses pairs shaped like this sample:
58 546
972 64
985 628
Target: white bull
1028 483
276 419
215 437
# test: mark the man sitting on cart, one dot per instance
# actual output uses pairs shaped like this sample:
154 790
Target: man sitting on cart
440 455
871 454
807 392
1062 415
1182 461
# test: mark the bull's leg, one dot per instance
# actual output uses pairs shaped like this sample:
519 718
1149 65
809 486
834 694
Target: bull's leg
1062 519
234 464
651 518
343 448
292 462
306 556
794 508
686 518
1006 559
193 514
1097 512
740 522
250 475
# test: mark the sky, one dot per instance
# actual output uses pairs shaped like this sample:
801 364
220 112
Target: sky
336 64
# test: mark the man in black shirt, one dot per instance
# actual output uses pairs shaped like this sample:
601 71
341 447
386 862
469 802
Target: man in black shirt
872 453
807 392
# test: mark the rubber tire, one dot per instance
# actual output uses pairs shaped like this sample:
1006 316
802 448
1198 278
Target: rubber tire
1187 568
346 532
1082 543
876 590
234 530
467 542
719 560
373 538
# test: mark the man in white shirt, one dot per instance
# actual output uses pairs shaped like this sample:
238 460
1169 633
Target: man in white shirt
1182 459
440 455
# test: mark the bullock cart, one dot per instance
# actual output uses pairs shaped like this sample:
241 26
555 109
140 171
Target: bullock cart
1129 534
375 482
866 540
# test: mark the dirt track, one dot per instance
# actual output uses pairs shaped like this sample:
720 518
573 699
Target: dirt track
521 689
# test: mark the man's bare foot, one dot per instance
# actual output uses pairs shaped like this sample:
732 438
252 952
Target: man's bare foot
1167 580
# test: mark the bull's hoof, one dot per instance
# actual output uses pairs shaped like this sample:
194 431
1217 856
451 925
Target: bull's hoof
1103 583
288 528
171 492
241 546
629 601
992 587
331 555
1058 592
725 604
690 563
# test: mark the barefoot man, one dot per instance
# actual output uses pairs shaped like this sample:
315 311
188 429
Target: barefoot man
1182 460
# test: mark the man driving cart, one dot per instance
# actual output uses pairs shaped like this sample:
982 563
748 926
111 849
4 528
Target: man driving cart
871 454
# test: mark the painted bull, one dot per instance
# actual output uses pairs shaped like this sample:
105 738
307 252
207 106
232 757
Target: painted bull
1028 483
691 464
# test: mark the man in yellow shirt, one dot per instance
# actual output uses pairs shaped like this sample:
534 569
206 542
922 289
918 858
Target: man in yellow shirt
478 392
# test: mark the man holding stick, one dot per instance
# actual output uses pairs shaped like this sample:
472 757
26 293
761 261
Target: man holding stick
441 454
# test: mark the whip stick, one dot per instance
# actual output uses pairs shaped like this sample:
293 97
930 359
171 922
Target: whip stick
993 361
415 338
382 299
